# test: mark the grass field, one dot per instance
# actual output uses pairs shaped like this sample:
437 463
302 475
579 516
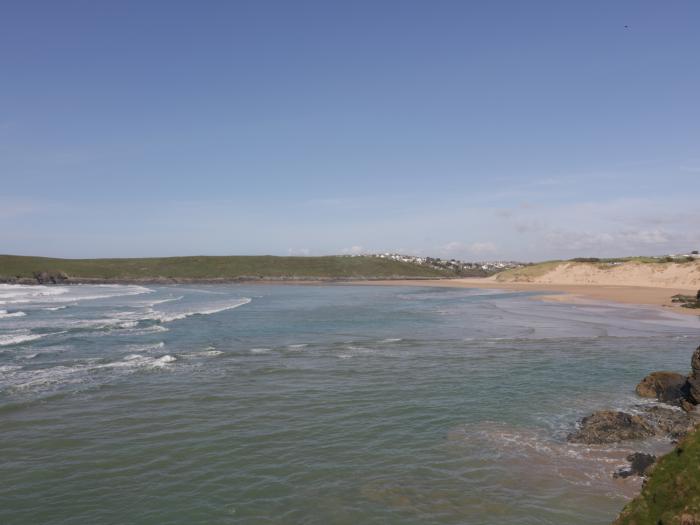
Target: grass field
213 267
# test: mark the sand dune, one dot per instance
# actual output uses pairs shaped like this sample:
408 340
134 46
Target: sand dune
653 275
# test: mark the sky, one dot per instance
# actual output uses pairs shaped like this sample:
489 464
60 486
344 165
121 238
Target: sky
466 129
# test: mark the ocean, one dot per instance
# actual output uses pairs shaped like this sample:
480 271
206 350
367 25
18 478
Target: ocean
317 404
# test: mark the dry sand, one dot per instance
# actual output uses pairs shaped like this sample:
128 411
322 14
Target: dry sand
632 283
570 293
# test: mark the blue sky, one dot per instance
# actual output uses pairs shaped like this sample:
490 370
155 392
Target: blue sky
477 130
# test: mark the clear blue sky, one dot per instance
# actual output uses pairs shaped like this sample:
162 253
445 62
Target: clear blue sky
477 130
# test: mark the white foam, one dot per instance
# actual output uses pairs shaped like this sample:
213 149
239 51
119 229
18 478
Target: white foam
298 346
16 377
21 293
146 348
17 338
166 317
391 340
29 379
9 368
206 353
164 360
55 308
170 300
5 314
157 328
260 350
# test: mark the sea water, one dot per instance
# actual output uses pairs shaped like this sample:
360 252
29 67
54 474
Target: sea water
316 404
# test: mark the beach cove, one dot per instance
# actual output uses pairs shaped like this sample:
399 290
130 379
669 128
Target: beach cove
318 403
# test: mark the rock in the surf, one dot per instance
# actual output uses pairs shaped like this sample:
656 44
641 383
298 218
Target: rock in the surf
669 387
610 426
640 465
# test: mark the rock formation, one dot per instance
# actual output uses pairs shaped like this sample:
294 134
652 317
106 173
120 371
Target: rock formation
694 378
669 387
610 426
672 388
640 465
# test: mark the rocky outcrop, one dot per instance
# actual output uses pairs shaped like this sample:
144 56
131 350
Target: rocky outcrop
51 277
640 465
673 388
610 426
669 387
669 422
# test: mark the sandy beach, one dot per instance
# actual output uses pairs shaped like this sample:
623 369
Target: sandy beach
570 293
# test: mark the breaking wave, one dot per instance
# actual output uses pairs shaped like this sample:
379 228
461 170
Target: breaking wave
166 317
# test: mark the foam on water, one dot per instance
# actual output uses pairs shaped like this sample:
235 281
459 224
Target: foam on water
146 347
166 317
19 337
41 294
20 293
4 314
20 379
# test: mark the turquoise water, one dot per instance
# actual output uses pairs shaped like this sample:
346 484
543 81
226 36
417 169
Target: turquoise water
315 404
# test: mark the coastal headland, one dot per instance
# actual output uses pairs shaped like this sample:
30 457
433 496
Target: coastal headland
211 269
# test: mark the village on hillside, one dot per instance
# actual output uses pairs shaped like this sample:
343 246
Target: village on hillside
455 265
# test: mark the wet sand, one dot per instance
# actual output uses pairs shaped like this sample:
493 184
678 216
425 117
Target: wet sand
569 293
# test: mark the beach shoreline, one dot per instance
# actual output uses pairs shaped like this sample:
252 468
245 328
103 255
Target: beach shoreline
654 296
659 297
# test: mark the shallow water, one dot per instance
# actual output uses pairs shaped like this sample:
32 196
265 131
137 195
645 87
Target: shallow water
316 404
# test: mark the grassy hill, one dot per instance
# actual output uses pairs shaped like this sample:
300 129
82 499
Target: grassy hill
671 495
14 267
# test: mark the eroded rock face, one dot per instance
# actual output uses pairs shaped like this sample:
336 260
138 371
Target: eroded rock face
669 387
610 426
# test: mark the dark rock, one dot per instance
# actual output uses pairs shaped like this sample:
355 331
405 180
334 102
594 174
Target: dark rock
694 390
694 378
609 426
695 361
640 465
687 405
51 277
669 387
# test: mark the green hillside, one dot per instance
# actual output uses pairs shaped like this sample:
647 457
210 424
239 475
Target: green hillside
671 495
214 268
